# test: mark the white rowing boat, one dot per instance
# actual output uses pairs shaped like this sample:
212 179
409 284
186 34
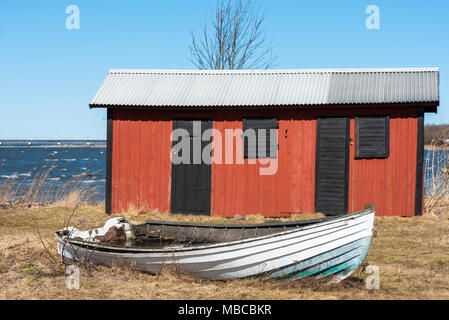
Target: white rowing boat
332 246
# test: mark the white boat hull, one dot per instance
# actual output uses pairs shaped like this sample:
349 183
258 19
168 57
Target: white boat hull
336 247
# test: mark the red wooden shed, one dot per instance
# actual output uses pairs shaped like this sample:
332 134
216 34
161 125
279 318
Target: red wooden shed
326 140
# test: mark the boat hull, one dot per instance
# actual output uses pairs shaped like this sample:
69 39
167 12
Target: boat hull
329 248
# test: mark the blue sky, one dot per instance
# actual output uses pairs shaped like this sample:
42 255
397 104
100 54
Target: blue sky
49 73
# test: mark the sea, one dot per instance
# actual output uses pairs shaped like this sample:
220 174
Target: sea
54 165
57 165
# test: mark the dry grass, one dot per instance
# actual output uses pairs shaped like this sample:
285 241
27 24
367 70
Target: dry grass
412 254
436 176
136 214
37 191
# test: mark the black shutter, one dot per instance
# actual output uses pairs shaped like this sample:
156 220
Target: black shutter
250 146
372 137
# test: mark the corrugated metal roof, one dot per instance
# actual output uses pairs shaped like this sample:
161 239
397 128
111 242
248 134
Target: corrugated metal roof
139 87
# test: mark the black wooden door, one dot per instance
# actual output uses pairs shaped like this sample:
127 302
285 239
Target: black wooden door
191 182
332 166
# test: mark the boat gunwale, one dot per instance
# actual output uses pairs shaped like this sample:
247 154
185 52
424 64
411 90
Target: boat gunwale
239 226
89 245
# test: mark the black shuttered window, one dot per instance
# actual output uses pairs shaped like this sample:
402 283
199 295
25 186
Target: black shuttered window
372 137
257 134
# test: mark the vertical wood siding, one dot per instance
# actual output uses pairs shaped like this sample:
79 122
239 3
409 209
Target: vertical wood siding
390 182
241 190
141 167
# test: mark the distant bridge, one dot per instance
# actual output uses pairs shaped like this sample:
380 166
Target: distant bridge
11 142
43 141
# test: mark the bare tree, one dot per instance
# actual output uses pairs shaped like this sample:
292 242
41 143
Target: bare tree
235 39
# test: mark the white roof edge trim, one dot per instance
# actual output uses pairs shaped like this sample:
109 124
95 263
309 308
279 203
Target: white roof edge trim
272 71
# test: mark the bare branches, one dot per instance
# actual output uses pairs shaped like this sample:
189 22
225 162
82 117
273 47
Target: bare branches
235 40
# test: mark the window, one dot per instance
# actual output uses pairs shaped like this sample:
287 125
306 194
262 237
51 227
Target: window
372 137
260 137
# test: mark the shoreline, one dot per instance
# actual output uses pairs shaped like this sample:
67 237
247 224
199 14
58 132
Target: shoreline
429 147
104 146
57 146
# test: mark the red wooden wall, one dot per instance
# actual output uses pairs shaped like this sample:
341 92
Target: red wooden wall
141 167
389 183
240 189
141 160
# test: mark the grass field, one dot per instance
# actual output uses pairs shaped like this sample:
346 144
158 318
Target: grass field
412 254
